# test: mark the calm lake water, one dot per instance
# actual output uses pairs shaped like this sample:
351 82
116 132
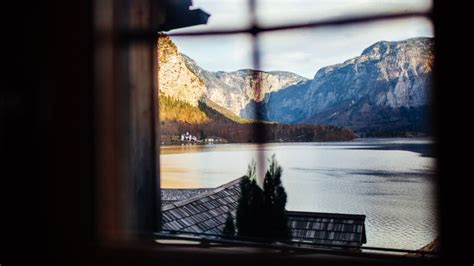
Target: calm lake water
388 180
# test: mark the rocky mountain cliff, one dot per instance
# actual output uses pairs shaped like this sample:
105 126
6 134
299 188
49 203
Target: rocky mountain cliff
234 90
385 88
194 100
182 78
175 80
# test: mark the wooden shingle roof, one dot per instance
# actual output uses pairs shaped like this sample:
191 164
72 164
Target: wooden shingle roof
171 195
327 228
205 211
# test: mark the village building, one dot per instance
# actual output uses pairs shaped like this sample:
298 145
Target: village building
188 138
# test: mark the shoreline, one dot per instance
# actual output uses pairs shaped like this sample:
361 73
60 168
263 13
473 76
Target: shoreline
430 139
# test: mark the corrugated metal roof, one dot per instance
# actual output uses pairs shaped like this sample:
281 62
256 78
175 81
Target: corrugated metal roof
205 211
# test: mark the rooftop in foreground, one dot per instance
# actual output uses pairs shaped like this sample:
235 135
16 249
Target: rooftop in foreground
204 211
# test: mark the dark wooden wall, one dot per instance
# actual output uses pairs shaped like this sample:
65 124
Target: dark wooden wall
127 146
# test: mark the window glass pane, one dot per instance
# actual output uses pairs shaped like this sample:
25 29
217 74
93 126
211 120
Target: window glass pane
201 95
279 12
305 51
343 109
375 79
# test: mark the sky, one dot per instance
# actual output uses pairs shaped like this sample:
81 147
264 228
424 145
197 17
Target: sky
301 51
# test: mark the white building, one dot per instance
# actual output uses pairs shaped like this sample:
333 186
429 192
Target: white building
188 137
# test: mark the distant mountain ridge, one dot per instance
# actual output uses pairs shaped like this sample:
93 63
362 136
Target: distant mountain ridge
385 88
234 90
193 100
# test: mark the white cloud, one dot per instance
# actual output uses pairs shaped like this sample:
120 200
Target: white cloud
214 53
300 51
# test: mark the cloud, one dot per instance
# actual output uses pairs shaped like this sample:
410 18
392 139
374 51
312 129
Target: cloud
302 51
332 45
218 53
274 12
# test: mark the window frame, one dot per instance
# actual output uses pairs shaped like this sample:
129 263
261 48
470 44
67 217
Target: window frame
118 33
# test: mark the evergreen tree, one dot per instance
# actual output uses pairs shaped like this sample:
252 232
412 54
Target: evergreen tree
229 228
275 202
261 212
244 211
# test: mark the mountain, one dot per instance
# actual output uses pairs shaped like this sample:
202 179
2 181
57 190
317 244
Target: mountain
202 102
175 80
234 90
283 106
211 120
386 88
182 78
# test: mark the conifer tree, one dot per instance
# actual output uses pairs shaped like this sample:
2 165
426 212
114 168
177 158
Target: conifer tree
229 228
261 212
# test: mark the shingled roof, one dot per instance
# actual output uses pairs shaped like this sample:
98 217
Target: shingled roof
205 211
327 228
171 195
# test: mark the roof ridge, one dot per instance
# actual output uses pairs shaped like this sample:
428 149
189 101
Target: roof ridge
204 188
200 196
329 214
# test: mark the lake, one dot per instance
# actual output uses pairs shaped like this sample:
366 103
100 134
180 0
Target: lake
391 181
